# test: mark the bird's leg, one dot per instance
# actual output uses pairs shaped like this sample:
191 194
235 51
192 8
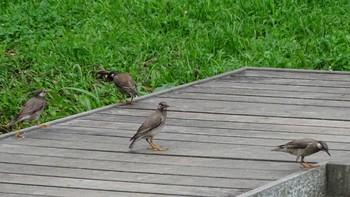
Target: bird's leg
43 124
19 133
130 102
153 146
150 143
307 165
158 147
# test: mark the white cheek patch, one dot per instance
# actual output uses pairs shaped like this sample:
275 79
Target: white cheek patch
319 146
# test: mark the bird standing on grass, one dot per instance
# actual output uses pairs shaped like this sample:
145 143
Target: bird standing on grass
124 83
31 111
302 148
151 127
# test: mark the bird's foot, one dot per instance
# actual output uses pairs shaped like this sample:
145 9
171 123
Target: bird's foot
44 125
308 165
20 134
121 101
157 148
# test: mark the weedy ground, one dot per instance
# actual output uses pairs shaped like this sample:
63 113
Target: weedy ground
58 45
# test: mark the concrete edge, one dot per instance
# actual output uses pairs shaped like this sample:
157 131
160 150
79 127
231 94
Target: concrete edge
12 133
282 180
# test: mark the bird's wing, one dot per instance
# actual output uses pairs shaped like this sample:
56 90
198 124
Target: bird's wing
296 144
32 106
153 121
125 82
310 148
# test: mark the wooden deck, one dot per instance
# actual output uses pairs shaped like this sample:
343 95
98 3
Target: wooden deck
219 133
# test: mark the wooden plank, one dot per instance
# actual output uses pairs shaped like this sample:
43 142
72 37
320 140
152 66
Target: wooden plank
18 190
258 99
182 170
84 158
197 133
285 81
252 109
343 76
13 193
268 93
56 170
114 185
125 135
236 123
283 88
185 118
178 148
193 125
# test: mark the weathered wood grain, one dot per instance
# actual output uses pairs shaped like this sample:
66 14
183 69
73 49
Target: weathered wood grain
198 133
129 176
316 82
333 76
112 185
125 135
258 99
283 88
245 133
84 158
219 133
178 148
232 121
268 93
256 109
19 190
15 194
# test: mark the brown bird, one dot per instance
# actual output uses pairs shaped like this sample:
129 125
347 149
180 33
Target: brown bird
302 148
151 127
124 83
31 111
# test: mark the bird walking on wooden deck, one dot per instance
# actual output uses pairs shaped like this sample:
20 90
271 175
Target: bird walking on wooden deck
124 83
151 127
31 111
302 148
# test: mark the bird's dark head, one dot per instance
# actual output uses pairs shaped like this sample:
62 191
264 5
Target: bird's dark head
41 93
321 145
162 105
111 75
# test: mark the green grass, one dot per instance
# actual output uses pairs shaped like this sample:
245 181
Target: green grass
58 45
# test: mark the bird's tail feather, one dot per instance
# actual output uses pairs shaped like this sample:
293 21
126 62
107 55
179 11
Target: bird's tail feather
277 149
132 144
134 93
